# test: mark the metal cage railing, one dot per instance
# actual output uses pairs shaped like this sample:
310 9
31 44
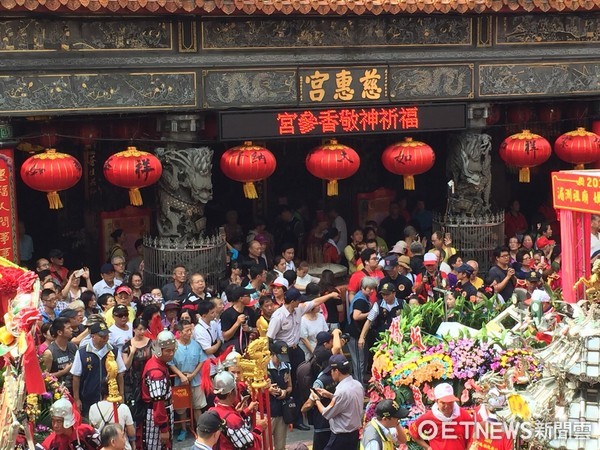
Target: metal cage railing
204 254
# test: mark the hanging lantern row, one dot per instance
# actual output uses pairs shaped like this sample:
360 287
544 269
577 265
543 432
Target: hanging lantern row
408 158
525 150
52 171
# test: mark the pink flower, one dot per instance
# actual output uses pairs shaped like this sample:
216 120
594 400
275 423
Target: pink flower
374 396
389 393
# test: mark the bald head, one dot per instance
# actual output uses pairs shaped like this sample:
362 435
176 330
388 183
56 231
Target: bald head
475 265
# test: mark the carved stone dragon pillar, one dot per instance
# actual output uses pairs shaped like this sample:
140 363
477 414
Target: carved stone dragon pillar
185 186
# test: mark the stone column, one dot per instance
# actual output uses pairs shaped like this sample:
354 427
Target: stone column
185 185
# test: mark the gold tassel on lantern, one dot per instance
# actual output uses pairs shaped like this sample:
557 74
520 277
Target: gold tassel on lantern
250 190
135 197
409 182
524 175
54 200
332 188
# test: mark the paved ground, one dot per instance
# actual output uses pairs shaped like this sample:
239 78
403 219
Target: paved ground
293 436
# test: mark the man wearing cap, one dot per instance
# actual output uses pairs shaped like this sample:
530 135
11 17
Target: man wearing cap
157 429
285 326
108 283
208 431
464 272
60 354
384 431
345 411
280 389
286 321
89 368
445 426
237 432
279 287
123 296
403 286
239 320
66 433
121 330
397 250
380 316
430 278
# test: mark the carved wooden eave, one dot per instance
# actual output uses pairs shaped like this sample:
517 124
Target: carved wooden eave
304 7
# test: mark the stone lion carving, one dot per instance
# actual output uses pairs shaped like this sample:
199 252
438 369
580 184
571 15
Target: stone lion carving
184 188
469 166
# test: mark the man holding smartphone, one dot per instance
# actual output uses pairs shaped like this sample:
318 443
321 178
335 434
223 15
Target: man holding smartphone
345 411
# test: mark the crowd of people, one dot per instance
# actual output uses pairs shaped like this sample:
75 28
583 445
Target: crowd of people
163 336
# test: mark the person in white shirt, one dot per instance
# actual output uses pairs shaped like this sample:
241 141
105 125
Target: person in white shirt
303 277
338 222
121 331
207 332
288 252
103 413
108 283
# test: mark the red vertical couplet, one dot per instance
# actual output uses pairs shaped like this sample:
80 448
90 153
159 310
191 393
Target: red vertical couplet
8 206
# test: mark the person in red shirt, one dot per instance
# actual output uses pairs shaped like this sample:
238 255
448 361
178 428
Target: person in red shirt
156 393
371 269
430 278
514 221
238 432
67 433
331 254
446 426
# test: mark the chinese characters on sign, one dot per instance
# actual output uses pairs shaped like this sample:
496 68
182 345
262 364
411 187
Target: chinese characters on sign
348 120
576 191
8 207
341 85
273 124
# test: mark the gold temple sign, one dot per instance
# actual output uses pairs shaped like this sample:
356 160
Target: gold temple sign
343 85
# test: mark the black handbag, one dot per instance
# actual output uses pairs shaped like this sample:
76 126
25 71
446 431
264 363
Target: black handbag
290 410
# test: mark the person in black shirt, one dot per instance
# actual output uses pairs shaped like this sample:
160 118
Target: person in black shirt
403 286
501 275
464 285
239 320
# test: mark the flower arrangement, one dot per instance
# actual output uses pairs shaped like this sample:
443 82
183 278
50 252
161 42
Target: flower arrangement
426 368
521 359
37 407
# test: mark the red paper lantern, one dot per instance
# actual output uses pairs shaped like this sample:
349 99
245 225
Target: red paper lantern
248 163
525 150
578 147
51 172
408 158
332 161
133 169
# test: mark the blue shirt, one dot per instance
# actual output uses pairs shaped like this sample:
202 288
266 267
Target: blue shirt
186 359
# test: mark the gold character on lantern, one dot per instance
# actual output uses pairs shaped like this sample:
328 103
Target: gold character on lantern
343 80
316 81
371 90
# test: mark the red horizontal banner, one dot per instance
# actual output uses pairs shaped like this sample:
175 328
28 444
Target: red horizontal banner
577 190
